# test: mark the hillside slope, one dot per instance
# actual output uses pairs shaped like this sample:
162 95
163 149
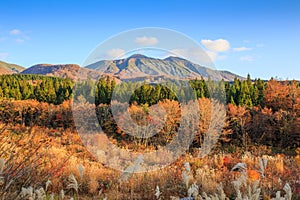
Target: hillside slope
7 68
64 71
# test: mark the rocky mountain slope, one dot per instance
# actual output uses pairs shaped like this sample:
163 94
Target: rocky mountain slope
140 67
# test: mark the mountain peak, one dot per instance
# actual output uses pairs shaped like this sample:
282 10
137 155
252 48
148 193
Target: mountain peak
141 67
138 56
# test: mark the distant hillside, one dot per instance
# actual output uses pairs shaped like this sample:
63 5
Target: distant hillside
7 68
63 71
140 67
134 68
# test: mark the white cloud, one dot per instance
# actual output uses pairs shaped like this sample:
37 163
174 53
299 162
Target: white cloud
196 55
19 40
15 32
115 53
3 55
146 41
19 36
247 58
242 49
219 45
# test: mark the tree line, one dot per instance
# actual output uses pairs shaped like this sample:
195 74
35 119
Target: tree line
239 92
52 90
56 90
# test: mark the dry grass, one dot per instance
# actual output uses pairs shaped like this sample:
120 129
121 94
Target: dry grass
74 173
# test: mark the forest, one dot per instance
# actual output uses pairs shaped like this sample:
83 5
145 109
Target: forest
265 112
41 88
56 90
262 123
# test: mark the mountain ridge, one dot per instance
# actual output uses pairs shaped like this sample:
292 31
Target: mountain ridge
62 71
138 66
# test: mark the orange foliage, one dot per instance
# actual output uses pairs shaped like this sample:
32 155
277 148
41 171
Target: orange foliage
205 106
253 175
282 95
237 111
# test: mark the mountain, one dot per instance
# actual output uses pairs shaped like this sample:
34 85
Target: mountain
7 68
141 67
134 68
68 70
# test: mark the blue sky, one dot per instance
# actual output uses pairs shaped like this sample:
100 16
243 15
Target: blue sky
257 37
